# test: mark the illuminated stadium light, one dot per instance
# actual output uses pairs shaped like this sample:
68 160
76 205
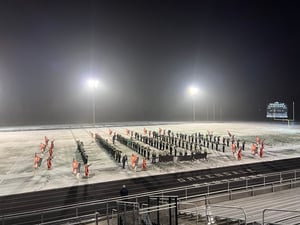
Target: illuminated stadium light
92 83
193 90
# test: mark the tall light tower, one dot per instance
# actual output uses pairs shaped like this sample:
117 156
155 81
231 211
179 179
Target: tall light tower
193 91
93 85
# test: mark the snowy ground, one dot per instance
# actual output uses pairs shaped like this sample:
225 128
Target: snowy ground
18 146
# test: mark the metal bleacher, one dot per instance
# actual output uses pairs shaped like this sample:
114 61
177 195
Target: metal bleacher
254 206
280 207
262 199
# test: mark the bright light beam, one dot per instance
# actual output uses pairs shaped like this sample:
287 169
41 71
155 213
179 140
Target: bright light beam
193 91
92 83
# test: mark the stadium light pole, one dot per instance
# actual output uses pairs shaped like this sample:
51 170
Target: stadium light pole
193 91
93 85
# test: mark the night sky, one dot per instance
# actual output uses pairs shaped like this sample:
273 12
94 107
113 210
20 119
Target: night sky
241 54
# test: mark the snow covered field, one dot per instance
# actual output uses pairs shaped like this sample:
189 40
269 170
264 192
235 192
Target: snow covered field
18 146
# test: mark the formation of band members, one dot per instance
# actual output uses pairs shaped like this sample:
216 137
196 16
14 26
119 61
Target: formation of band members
162 146
154 146
47 150
44 149
85 159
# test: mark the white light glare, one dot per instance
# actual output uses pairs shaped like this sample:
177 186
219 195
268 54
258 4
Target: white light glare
193 90
92 83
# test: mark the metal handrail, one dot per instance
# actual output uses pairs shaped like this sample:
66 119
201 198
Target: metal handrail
276 210
105 201
197 209
160 207
241 188
235 189
93 216
226 207
206 197
76 207
119 198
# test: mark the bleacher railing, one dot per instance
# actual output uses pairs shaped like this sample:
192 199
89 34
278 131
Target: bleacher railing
185 193
297 215
208 214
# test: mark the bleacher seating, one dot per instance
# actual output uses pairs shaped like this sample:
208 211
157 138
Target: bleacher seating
253 207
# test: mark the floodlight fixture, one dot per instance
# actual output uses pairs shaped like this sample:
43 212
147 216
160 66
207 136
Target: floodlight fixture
93 83
193 90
